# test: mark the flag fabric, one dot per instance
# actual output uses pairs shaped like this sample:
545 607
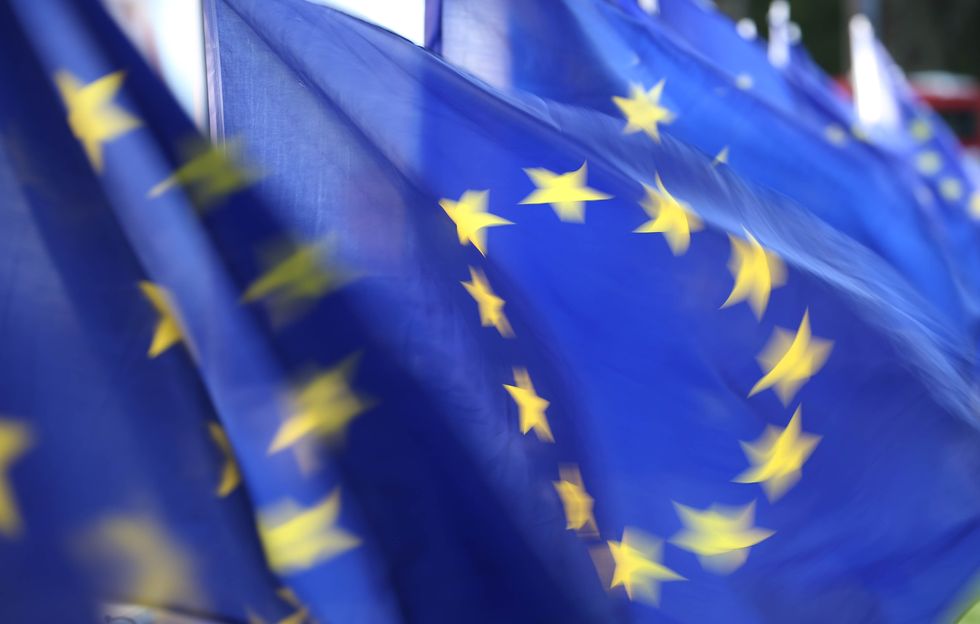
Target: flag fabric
632 282
418 355
935 150
711 34
917 142
632 68
944 190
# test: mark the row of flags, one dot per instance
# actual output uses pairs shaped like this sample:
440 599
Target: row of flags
586 314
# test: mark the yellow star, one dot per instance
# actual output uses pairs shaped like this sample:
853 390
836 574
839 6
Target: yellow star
638 566
290 598
575 500
209 175
299 276
756 271
643 111
920 129
322 407
531 407
471 218
778 456
790 361
92 117
719 536
951 189
974 207
721 158
296 539
167 332
15 439
670 217
159 571
835 134
230 476
860 132
299 616
566 192
928 162
491 306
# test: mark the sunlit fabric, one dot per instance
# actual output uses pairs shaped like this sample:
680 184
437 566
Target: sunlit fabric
917 142
736 425
398 349
635 68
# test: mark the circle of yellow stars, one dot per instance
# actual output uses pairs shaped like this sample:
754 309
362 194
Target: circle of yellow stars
719 536
297 538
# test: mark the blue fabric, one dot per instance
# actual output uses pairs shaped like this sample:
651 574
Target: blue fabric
945 189
353 136
120 466
362 133
712 35
585 52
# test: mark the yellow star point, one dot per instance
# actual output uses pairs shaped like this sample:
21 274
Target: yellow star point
668 217
322 407
289 597
778 456
159 571
167 332
638 568
720 536
92 117
209 176
576 501
920 129
566 192
230 475
643 111
721 158
491 306
974 206
951 189
928 162
531 407
756 271
835 134
15 439
296 539
298 277
470 215
789 361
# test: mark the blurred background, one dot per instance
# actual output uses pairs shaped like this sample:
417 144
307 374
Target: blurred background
935 42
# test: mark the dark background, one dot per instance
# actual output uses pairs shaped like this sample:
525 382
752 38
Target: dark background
920 34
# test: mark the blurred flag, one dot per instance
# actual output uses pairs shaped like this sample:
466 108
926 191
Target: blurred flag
632 68
682 375
879 87
935 150
879 93
710 34
425 358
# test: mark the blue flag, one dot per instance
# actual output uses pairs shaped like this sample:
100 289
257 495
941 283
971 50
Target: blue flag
916 141
624 303
631 67
420 356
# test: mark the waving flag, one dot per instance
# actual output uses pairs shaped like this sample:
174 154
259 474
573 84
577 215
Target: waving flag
706 484
423 357
809 92
590 53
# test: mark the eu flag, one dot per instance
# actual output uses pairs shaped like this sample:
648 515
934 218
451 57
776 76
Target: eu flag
641 293
633 68
401 349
